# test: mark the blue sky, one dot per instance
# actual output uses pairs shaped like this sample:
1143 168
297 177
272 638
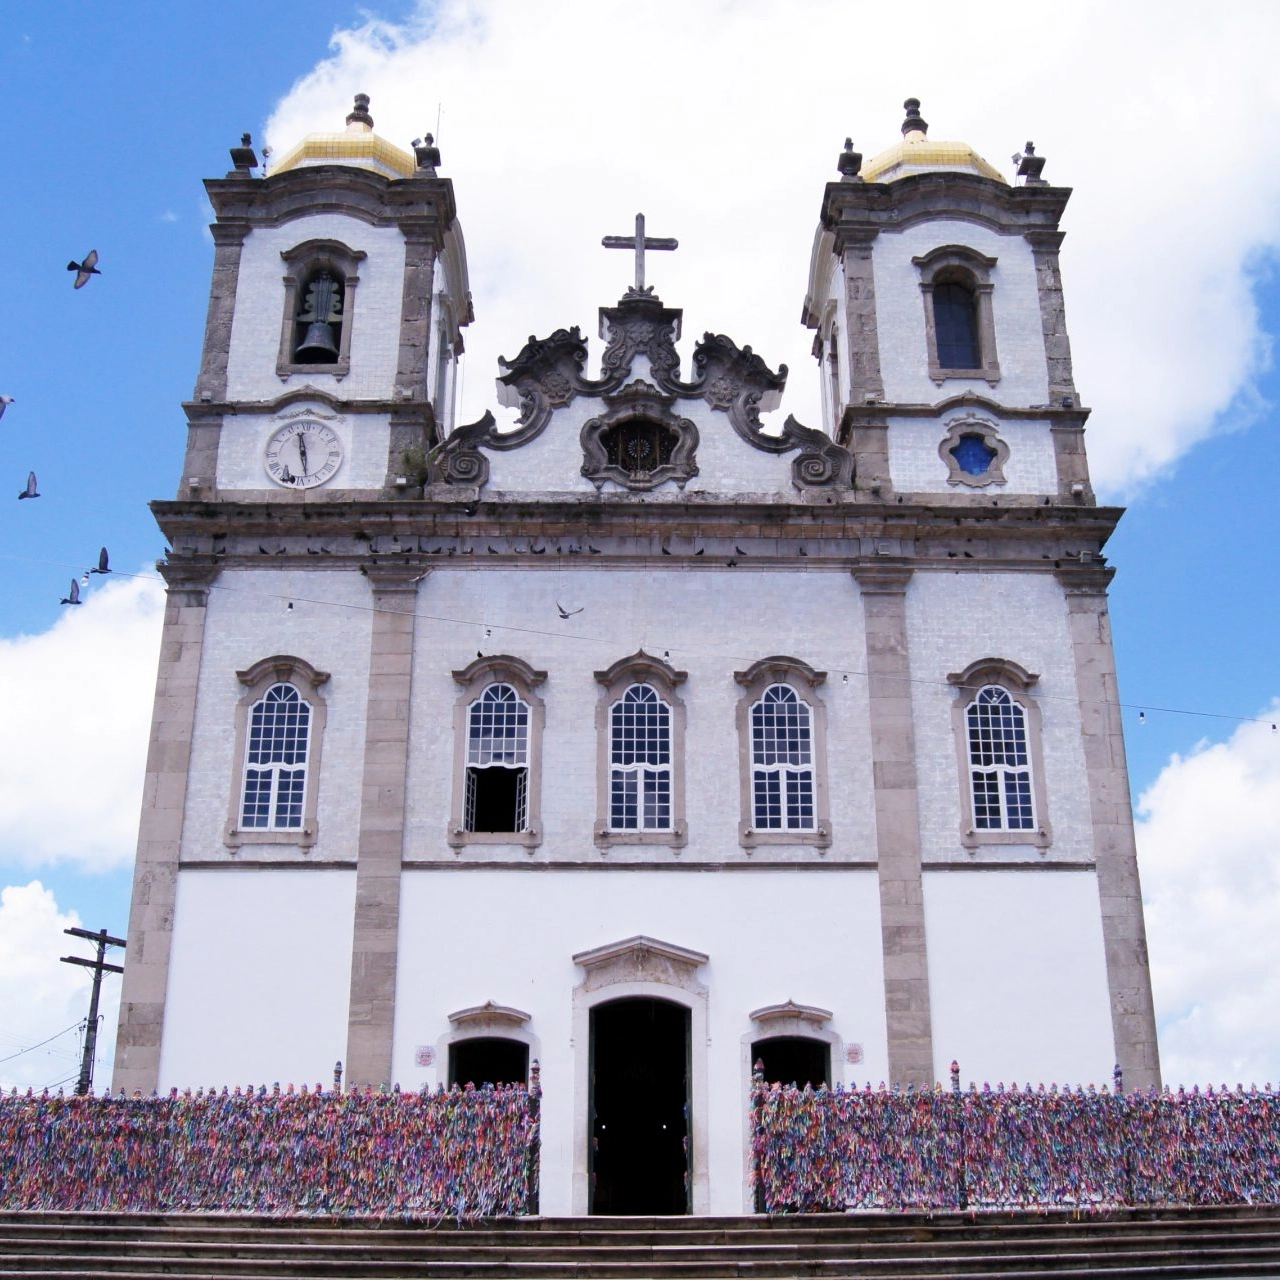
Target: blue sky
725 137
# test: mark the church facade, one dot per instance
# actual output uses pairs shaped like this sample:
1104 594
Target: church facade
644 735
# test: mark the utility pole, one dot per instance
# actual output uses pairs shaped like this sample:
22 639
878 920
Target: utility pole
99 967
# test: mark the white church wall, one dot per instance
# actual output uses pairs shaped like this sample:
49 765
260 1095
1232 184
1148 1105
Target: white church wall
471 936
1017 976
374 316
1024 373
259 976
915 466
711 623
955 619
243 441
249 619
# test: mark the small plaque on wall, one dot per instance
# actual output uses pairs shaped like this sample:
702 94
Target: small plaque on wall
853 1054
424 1056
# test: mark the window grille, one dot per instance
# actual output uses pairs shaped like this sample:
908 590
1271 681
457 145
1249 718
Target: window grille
782 761
275 775
640 761
497 780
999 764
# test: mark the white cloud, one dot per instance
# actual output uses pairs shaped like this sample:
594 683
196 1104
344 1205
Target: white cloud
1209 842
44 1000
78 705
722 123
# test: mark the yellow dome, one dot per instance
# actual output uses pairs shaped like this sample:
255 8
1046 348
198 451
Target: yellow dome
917 153
358 146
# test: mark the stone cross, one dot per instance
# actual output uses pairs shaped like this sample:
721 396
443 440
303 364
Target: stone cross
639 242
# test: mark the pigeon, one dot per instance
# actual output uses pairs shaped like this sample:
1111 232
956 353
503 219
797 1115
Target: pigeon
85 269
738 549
5 402
30 490
103 566
568 613
73 595
595 551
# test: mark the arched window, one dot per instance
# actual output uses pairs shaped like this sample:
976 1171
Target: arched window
997 725
497 787
959 321
279 727
640 730
782 762
275 768
999 763
640 761
782 735
955 318
498 731
319 302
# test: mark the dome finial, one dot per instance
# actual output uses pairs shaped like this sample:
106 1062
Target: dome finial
360 113
849 163
913 123
427 155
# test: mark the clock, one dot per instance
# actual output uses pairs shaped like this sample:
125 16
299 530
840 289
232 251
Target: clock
303 454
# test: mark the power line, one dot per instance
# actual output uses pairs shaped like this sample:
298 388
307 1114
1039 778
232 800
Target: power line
287 599
31 1048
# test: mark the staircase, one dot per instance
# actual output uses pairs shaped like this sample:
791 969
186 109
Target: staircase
1131 1243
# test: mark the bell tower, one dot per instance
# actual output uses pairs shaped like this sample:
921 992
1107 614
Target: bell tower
327 377
339 297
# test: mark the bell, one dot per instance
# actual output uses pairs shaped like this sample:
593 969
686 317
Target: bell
317 347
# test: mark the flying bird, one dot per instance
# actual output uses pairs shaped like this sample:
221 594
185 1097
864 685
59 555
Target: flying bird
5 402
568 613
30 490
85 269
103 565
73 595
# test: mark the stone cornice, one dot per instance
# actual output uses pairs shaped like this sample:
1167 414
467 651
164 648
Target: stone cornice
423 207
403 540
856 211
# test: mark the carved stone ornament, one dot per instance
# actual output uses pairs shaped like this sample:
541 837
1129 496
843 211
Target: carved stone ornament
548 374
489 1015
638 442
641 959
789 1011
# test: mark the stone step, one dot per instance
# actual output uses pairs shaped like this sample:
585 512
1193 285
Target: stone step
712 1266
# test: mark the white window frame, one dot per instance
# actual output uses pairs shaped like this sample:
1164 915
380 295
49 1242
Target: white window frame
975 685
484 674
616 682
802 681
258 680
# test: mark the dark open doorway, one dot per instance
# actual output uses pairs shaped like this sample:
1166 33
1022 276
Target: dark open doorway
488 1060
639 1107
793 1060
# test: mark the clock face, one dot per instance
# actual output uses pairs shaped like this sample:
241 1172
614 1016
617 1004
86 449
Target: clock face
303 454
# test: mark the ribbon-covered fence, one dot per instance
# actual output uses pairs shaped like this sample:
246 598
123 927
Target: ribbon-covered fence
1000 1149
463 1153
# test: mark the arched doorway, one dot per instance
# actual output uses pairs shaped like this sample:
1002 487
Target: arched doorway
485 1060
798 1060
638 1155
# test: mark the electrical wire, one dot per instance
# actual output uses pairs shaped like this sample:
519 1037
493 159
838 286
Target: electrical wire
31 1048
846 672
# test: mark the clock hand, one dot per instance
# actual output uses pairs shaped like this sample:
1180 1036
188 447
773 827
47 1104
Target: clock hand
302 453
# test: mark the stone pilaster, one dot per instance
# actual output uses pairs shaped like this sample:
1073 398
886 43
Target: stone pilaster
1053 316
1124 932
155 874
376 940
897 805
416 309
860 324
